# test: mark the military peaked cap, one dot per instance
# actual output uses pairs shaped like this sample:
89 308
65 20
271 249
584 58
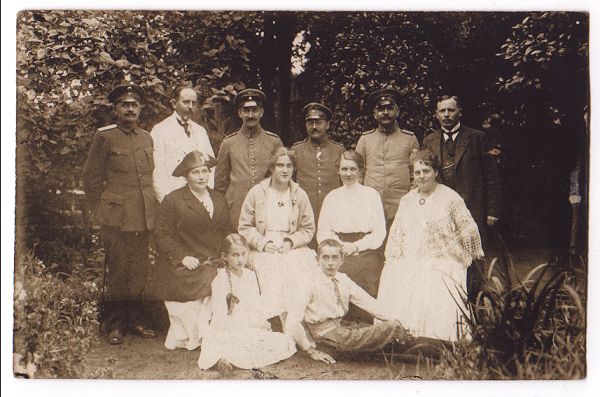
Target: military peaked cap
126 91
193 160
316 111
384 96
244 97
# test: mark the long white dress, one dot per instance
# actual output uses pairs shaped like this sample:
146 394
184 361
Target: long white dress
242 337
284 278
429 248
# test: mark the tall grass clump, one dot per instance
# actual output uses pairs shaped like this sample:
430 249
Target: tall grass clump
529 328
55 318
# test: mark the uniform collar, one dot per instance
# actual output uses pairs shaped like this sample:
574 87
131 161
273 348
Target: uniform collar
325 142
127 131
388 133
249 134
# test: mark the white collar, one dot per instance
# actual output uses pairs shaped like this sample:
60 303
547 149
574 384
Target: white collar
454 129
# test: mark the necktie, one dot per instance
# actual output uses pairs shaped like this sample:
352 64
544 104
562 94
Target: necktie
450 136
338 296
186 127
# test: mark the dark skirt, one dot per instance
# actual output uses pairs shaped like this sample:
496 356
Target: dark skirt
365 270
180 284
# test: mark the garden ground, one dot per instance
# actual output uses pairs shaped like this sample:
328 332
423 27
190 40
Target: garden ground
140 358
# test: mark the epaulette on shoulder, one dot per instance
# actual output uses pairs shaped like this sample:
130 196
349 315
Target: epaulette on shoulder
339 144
142 130
108 127
368 132
271 133
300 142
407 132
230 135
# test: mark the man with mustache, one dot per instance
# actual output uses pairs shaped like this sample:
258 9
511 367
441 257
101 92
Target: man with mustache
386 150
244 156
174 138
117 178
316 170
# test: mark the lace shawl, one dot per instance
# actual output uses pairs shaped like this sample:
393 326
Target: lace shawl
449 229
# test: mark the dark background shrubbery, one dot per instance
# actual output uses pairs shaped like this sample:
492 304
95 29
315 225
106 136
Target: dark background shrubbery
523 77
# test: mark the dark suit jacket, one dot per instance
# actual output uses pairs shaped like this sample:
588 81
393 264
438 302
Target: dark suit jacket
477 174
184 228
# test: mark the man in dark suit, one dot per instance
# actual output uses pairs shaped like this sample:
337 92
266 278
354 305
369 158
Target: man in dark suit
468 164
117 177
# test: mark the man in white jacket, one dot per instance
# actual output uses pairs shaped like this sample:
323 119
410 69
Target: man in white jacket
174 137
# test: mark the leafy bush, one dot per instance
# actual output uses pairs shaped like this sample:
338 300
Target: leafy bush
55 318
522 329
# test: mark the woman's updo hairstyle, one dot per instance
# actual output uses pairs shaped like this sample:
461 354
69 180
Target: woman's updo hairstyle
281 151
352 155
427 157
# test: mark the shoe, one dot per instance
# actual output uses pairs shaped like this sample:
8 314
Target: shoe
224 367
144 332
115 337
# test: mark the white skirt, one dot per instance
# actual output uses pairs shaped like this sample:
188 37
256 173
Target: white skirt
245 347
284 279
425 296
188 323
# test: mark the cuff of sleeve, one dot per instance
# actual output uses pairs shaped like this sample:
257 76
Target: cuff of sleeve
262 243
295 239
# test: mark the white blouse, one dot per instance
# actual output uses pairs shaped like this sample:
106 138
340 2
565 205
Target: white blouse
352 209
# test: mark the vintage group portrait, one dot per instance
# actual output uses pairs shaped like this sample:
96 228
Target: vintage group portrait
301 195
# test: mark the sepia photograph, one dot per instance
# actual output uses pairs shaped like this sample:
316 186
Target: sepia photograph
303 194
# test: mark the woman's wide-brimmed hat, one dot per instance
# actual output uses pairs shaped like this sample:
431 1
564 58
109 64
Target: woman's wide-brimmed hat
192 160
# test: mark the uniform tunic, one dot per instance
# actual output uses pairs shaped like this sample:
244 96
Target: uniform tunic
316 169
117 178
243 161
387 165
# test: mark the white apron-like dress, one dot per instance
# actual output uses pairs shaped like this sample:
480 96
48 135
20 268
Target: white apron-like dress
242 337
429 248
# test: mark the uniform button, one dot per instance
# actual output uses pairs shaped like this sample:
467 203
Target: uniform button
319 178
319 192
139 162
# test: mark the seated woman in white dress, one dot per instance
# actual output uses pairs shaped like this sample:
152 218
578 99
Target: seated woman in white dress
432 242
353 216
277 220
239 334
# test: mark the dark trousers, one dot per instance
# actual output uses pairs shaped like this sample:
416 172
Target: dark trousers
127 264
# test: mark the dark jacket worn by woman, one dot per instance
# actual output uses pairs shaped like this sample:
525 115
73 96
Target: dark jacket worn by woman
184 228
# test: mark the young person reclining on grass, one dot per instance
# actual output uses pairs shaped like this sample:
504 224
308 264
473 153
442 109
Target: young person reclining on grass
320 323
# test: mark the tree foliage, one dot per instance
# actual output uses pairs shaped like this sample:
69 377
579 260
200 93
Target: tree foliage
508 69
68 61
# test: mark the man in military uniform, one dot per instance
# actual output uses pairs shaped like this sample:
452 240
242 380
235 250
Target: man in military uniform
117 178
386 151
317 156
243 158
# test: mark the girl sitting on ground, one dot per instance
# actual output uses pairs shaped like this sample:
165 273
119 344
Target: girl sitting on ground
239 334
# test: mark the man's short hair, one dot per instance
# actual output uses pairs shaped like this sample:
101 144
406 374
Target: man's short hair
329 243
180 88
446 97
